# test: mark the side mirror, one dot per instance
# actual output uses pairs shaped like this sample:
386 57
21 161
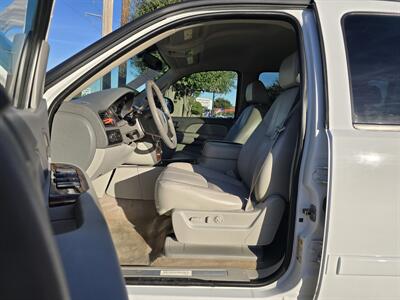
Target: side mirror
170 104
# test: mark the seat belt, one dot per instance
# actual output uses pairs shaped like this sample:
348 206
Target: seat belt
278 131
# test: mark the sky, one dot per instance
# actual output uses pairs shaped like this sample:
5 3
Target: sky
73 27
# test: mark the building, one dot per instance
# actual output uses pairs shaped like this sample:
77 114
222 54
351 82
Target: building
205 102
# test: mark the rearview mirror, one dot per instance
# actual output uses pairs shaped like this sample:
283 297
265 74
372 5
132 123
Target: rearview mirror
152 62
170 104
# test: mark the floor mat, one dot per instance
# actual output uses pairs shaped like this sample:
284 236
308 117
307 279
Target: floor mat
131 248
139 234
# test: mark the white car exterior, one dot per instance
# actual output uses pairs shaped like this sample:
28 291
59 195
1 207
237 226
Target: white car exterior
352 248
360 256
361 244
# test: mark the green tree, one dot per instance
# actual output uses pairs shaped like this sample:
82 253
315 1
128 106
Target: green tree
219 82
143 7
196 109
222 103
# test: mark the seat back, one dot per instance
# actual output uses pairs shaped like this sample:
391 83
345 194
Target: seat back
259 103
265 159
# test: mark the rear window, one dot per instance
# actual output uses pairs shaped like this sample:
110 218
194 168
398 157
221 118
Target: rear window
210 94
269 79
373 53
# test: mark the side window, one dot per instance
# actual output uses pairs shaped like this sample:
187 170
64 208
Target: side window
15 19
206 94
271 83
373 54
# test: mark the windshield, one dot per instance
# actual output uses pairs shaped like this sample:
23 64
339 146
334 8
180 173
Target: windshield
132 73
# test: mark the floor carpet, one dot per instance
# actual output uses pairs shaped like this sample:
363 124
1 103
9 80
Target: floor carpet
139 233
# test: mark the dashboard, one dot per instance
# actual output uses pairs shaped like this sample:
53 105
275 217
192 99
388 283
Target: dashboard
117 110
113 118
100 131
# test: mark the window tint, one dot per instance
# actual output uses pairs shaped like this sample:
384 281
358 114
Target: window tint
373 49
206 94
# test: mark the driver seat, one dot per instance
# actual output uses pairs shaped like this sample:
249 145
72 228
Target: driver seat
209 207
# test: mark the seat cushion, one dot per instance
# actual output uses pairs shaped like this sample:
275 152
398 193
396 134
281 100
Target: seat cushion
192 187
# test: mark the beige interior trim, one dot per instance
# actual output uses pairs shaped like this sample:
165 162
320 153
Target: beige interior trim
134 182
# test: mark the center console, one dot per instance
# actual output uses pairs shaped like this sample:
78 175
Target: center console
220 155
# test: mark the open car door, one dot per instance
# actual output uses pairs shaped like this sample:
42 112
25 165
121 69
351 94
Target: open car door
49 245
361 252
27 246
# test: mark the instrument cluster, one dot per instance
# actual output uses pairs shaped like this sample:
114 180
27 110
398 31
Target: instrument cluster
116 112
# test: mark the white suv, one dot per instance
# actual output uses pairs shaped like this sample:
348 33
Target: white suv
127 174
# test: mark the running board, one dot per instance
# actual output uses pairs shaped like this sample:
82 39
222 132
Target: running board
175 249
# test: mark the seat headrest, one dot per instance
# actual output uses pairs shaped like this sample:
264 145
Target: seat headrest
257 93
289 72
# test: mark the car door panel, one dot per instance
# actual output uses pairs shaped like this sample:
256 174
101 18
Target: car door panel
86 248
59 239
192 132
361 252
28 245
78 231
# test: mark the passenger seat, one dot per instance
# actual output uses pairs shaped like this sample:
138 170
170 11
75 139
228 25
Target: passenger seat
209 207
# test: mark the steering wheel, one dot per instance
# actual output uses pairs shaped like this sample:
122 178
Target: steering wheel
162 118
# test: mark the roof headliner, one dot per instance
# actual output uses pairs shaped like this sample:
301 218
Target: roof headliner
240 45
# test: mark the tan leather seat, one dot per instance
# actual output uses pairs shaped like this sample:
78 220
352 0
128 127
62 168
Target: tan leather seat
213 190
263 166
258 104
